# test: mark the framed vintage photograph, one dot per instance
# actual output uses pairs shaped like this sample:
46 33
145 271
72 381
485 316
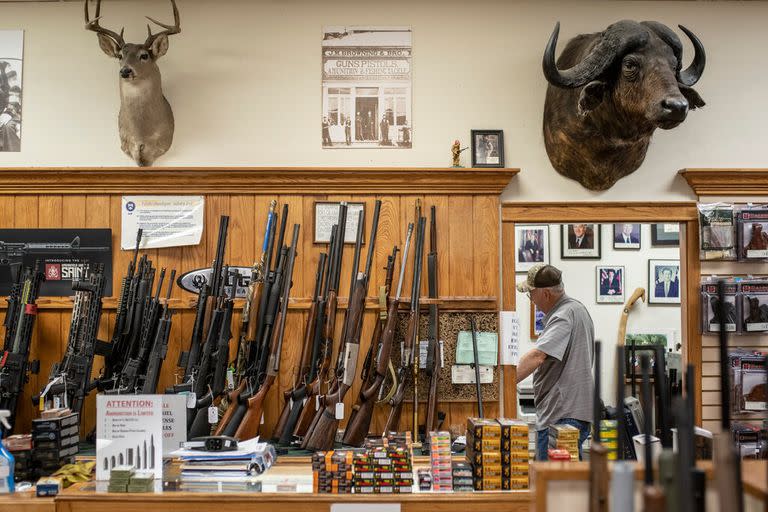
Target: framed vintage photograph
609 283
487 148
580 241
11 64
665 235
536 322
626 236
327 214
531 246
664 281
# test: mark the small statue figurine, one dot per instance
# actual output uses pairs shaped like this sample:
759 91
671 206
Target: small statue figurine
456 151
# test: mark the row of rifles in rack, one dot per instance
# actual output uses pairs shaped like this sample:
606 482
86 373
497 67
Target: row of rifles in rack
226 393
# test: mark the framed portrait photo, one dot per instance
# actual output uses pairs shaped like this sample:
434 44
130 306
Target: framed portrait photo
537 322
487 148
580 241
610 284
664 281
626 236
327 215
531 246
665 235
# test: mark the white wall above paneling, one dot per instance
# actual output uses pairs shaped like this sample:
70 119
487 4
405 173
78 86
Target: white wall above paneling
243 78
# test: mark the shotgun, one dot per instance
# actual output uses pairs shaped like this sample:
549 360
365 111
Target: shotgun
309 417
433 349
396 402
623 478
667 459
375 370
476 365
727 463
322 436
686 460
294 397
249 426
598 453
654 499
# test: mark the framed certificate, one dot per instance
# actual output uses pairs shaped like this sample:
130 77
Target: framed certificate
327 214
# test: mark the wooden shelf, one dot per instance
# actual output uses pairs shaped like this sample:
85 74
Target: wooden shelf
727 182
265 180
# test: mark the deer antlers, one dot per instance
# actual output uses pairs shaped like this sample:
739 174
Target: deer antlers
93 25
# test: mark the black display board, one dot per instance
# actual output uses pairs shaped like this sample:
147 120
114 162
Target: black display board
61 266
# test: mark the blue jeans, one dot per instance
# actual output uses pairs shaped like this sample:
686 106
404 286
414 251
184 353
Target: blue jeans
542 436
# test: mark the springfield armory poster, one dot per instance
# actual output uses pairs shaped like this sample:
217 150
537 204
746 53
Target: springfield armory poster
64 255
11 54
367 78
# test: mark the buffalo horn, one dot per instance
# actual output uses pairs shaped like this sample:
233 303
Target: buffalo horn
692 74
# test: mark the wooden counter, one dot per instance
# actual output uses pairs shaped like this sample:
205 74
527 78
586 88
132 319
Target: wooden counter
26 502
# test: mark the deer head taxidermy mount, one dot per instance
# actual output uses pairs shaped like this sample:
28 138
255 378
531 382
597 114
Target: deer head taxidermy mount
146 119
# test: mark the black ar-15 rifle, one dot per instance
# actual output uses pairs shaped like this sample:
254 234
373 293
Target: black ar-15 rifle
69 381
19 320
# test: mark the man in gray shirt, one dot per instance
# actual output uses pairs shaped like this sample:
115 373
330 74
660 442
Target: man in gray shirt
561 363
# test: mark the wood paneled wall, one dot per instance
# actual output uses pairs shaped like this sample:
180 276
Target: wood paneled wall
468 230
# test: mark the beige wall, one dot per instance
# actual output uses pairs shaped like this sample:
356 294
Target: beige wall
244 82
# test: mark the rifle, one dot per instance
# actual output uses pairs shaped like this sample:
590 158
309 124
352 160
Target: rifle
598 453
396 402
667 459
322 436
623 478
69 379
309 418
213 364
476 364
375 370
727 463
19 322
294 397
249 426
206 302
115 358
653 495
260 348
433 350
160 344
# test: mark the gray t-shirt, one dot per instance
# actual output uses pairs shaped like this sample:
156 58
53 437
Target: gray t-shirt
563 385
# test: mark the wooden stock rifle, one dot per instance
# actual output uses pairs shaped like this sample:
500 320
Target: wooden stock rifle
598 453
294 397
252 316
433 350
654 499
309 416
249 426
322 436
396 402
727 462
375 368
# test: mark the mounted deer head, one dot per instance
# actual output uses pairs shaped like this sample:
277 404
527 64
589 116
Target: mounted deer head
146 119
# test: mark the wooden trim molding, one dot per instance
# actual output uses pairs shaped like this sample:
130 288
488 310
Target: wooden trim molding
727 182
598 211
267 180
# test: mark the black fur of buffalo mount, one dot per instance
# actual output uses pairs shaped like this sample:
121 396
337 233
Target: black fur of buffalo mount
607 94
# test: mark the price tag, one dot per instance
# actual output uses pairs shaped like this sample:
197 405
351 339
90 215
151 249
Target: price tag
262 419
191 400
317 402
41 405
213 415
56 402
340 411
230 379
290 404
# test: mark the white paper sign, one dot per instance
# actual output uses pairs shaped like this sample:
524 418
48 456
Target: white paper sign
327 214
424 352
129 431
167 221
465 374
174 422
509 336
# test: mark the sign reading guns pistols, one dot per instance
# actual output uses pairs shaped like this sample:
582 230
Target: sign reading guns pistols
64 255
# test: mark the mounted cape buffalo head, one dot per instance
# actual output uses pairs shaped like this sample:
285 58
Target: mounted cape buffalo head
609 91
